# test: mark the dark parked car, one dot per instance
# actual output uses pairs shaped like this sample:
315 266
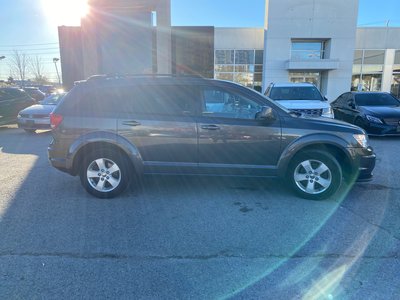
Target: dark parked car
377 113
35 93
110 130
38 116
12 100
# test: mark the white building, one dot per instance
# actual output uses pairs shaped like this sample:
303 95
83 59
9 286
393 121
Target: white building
312 41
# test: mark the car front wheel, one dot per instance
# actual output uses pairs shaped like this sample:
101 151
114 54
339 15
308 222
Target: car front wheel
105 173
315 175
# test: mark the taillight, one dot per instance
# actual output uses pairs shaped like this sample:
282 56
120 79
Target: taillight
55 120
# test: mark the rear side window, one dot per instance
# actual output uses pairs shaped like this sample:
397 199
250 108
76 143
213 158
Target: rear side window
137 99
94 102
175 100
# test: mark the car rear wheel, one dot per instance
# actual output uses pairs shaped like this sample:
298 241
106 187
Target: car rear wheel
105 173
315 175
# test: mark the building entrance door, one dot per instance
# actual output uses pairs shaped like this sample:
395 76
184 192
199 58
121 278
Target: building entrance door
314 78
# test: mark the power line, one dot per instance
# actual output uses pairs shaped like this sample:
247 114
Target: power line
32 49
28 45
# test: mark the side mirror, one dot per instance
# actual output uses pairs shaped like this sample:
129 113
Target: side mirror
266 113
351 104
325 98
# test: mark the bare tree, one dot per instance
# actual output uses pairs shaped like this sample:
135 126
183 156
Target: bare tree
19 64
36 68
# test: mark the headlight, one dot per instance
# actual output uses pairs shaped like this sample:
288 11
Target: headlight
374 119
327 112
362 139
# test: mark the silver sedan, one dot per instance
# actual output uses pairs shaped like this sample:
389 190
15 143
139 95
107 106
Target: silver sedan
38 116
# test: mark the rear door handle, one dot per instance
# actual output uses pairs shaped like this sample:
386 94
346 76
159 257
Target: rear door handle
210 127
131 123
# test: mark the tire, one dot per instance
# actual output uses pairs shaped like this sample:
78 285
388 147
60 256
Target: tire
105 173
31 131
316 185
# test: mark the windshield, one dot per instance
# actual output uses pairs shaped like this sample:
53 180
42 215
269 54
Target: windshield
376 100
52 99
296 93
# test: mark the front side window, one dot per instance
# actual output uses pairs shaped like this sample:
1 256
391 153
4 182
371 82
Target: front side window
227 104
376 100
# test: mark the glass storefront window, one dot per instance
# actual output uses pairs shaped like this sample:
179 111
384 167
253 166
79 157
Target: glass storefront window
355 83
307 50
372 82
223 68
240 66
395 88
368 70
368 83
358 55
244 57
244 68
397 57
224 76
374 57
259 57
246 79
298 77
224 57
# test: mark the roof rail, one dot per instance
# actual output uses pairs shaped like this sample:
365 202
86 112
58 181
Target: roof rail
127 76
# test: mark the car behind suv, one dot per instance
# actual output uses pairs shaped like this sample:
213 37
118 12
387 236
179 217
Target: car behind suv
12 100
302 98
108 130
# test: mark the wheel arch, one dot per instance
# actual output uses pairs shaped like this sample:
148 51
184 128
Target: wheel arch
332 145
90 142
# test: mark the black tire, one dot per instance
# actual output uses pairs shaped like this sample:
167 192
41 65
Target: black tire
111 184
31 131
315 186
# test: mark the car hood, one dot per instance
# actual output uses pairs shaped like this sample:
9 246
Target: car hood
303 104
382 111
328 124
38 109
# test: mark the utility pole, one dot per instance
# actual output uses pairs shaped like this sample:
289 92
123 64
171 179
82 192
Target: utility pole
2 57
55 60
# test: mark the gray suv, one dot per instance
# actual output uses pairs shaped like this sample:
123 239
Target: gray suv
110 130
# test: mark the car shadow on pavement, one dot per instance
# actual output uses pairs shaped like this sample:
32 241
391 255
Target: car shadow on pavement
177 237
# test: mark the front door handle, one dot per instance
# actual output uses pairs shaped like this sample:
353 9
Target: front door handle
131 123
210 127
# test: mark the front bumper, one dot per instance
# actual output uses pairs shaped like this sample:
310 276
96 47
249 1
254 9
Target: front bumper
366 164
382 129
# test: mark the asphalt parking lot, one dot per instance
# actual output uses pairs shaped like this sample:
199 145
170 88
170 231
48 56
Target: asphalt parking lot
200 238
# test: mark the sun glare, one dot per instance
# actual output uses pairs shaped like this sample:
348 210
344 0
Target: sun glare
65 12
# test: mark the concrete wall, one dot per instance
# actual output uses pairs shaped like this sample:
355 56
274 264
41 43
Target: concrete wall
239 38
378 38
310 19
70 39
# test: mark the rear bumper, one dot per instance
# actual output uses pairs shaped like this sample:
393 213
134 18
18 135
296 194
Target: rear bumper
61 164
26 123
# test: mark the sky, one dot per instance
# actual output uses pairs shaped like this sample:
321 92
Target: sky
31 25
